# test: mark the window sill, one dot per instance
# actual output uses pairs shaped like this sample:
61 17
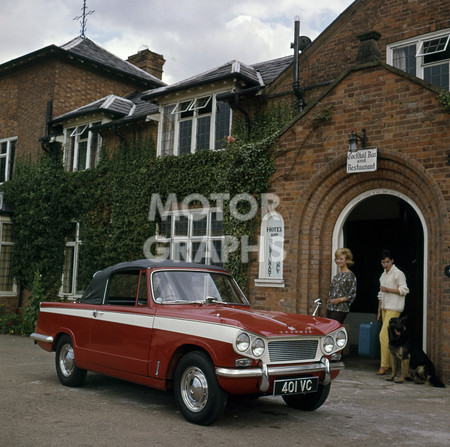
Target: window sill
267 282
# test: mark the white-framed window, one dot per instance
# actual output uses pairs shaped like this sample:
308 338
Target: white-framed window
192 235
426 56
81 147
196 124
69 285
7 284
271 251
7 152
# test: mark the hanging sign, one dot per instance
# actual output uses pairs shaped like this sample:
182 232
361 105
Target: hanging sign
274 239
362 160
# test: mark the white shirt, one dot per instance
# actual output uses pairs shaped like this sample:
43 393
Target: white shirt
393 279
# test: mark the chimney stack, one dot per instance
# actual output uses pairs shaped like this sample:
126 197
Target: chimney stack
368 48
148 61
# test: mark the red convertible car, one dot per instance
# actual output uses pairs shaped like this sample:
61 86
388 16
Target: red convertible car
188 327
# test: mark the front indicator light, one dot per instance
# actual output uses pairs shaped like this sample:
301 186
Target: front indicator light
243 362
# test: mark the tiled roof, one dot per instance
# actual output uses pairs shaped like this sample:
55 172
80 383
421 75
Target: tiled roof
85 48
111 104
122 110
259 74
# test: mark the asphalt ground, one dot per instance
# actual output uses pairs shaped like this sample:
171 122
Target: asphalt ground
362 410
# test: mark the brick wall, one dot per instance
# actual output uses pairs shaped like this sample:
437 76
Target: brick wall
25 93
411 130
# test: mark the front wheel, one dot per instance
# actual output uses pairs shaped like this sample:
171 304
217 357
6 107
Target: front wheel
310 401
197 392
68 372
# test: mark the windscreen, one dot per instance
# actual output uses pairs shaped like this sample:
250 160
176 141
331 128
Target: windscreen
169 287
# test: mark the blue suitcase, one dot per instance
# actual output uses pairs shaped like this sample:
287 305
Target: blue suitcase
369 342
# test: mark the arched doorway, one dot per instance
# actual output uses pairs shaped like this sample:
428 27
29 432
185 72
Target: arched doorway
382 219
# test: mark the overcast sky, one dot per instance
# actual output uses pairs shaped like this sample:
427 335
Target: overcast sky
192 35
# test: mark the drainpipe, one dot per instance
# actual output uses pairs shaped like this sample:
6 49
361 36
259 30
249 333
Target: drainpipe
300 43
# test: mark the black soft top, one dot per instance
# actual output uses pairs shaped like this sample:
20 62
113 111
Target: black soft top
96 289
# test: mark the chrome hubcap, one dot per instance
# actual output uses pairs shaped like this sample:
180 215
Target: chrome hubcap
194 389
66 360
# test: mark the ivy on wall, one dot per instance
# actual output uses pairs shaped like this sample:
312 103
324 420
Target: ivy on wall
111 201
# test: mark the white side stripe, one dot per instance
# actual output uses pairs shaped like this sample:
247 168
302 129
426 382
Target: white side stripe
204 329
212 331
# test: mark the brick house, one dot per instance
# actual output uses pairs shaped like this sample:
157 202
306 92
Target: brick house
380 66
50 82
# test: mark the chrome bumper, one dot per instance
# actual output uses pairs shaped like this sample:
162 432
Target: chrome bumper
40 337
264 371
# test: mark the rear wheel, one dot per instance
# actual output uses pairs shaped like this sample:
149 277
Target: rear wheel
197 391
310 401
68 372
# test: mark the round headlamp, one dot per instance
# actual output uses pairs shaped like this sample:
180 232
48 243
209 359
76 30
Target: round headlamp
242 342
328 344
341 339
258 347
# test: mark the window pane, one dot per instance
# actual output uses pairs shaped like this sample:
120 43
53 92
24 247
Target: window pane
95 147
435 45
405 59
216 255
12 149
222 123
180 251
181 225
122 289
2 169
217 223
438 75
203 132
168 130
69 150
199 252
165 227
199 225
6 279
436 57
7 232
185 137
4 147
82 152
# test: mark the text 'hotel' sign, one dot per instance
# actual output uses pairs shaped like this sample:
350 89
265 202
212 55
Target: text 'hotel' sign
363 160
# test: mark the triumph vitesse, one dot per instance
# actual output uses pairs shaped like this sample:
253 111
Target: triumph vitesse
188 327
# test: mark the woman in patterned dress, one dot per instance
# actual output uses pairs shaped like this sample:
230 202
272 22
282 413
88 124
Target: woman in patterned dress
343 287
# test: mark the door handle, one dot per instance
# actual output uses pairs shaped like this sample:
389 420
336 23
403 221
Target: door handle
97 313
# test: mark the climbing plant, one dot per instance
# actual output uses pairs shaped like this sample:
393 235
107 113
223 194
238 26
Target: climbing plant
111 201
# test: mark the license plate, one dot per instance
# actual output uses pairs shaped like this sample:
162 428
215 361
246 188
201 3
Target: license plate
295 386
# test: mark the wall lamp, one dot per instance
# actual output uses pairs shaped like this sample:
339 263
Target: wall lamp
353 141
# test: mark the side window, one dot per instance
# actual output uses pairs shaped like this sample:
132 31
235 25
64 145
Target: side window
122 288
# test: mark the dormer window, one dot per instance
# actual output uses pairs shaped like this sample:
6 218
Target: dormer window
427 57
81 147
192 125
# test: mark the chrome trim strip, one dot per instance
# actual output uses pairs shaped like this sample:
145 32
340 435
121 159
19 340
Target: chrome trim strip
279 370
40 337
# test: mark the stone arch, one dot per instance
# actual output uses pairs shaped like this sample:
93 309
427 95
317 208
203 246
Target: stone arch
326 195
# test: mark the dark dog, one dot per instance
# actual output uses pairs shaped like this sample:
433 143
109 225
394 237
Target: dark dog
412 362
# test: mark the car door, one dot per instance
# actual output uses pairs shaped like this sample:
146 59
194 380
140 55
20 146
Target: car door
122 326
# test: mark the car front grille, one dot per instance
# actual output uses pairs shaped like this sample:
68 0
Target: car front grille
292 350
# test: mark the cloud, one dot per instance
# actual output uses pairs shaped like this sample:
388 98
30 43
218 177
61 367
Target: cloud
192 35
